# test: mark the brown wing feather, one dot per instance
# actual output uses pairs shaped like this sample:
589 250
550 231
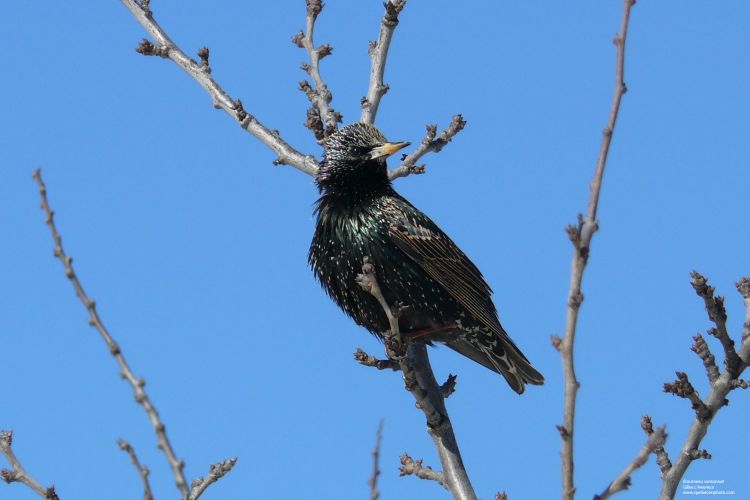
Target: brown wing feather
449 266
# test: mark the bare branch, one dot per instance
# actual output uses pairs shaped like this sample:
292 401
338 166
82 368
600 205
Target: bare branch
684 389
420 381
137 384
143 471
429 144
320 97
200 72
449 387
411 467
655 440
378 56
381 364
373 481
394 347
717 314
216 472
18 474
743 286
700 347
707 408
581 237
662 458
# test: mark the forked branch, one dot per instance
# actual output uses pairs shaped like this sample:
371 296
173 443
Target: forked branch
137 384
721 383
580 236
655 441
163 46
430 144
420 381
319 95
17 474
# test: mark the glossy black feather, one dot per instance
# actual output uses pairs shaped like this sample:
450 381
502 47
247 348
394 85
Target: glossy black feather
359 215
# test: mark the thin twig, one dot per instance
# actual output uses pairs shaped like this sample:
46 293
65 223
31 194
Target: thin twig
201 73
718 315
662 458
684 389
449 386
373 481
378 56
18 474
700 347
420 381
381 364
707 408
320 97
143 471
137 384
411 467
654 441
429 144
216 472
581 237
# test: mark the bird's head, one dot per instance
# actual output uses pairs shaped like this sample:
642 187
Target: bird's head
354 157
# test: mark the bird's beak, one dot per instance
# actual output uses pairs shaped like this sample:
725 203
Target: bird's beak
387 149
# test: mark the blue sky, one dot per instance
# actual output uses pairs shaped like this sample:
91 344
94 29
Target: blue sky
195 246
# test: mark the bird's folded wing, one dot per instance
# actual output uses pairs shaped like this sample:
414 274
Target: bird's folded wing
445 263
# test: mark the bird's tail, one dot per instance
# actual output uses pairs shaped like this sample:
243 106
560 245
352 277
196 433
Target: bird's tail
499 354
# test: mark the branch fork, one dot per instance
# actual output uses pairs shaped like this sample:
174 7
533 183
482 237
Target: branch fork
721 383
429 396
431 143
654 442
18 474
580 235
319 95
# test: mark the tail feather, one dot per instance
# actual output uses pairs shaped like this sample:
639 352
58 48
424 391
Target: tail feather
499 354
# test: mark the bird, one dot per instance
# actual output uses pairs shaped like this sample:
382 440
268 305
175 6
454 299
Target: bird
442 294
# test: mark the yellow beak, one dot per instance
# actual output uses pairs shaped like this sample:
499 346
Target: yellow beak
387 149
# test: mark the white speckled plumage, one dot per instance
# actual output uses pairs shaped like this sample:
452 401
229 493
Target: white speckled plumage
359 215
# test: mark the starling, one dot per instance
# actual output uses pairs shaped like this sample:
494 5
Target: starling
416 264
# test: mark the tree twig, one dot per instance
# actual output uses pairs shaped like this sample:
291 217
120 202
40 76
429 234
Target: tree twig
655 440
580 236
420 381
718 315
378 56
662 458
216 472
143 471
411 467
320 97
373 481
707 408
430 143
700 347
201 73
381 364
18 474
137 384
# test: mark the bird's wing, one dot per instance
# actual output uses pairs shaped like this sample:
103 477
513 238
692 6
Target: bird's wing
425 243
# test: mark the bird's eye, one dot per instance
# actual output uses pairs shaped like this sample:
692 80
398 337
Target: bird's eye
362 150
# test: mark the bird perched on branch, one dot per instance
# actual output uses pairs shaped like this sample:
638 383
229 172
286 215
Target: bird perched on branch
446 299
